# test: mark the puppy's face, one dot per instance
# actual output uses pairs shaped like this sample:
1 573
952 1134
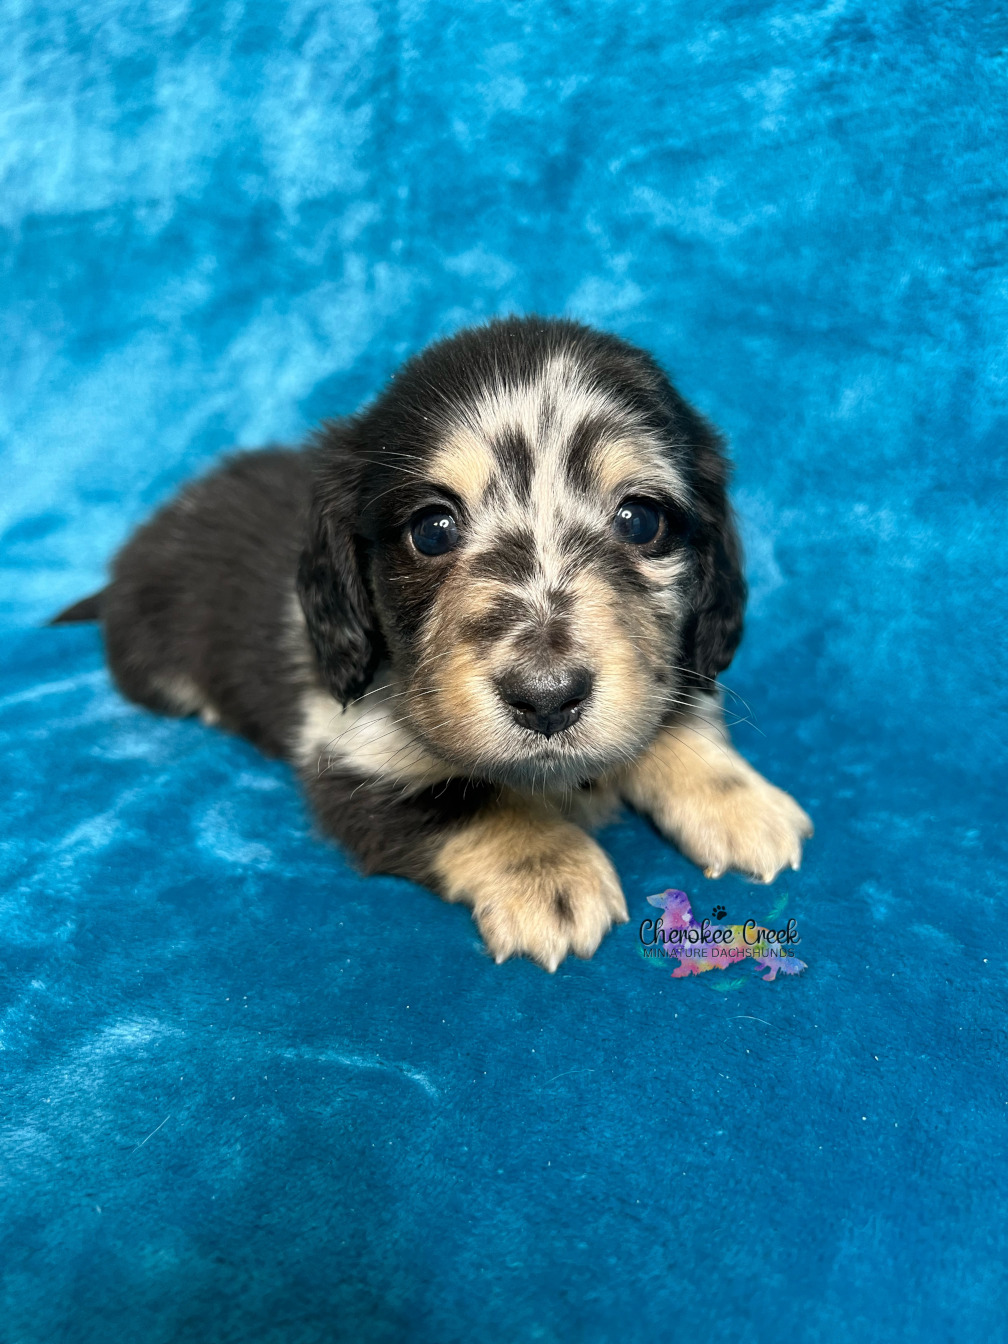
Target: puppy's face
530 531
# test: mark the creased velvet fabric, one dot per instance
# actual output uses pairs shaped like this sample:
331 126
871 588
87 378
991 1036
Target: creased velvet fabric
247 1095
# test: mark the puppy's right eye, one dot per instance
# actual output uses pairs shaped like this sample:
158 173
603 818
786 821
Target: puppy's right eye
434 532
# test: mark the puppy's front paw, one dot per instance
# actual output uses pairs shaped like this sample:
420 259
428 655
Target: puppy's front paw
537 888
545 907
709 800
737 821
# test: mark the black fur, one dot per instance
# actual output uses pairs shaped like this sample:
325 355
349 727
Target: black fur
87 609
330 576
199 595
386 831
715 629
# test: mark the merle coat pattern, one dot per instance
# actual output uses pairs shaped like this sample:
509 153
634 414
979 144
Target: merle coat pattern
476 616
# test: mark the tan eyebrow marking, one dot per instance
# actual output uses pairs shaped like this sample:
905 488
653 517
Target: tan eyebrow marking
465 463
627 458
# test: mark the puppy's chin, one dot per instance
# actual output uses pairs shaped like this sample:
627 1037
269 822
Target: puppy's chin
529 762
543 771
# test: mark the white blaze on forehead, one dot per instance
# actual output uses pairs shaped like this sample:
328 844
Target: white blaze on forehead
545 413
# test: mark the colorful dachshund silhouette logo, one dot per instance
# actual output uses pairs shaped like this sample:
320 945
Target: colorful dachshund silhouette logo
699 945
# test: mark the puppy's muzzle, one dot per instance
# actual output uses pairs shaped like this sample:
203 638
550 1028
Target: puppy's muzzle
546 704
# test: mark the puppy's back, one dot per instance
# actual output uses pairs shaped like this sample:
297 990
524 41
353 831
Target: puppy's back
197 617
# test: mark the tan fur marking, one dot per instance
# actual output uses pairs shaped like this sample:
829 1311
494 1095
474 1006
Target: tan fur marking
458 710
720 812
538 886
464 464
629 463
186 697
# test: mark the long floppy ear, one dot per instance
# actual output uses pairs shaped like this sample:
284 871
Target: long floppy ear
331 586
713 633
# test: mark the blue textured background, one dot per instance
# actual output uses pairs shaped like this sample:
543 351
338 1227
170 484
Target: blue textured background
248 1096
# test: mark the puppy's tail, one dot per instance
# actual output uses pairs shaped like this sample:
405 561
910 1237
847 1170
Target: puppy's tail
87 609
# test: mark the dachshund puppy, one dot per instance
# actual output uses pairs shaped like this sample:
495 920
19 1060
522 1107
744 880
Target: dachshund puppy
476 616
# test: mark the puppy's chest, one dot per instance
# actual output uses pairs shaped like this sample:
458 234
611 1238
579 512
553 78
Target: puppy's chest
370 737
590 805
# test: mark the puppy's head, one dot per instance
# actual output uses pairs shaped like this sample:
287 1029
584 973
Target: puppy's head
532 526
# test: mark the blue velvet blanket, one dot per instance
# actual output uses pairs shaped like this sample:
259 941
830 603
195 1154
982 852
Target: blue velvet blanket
246 1095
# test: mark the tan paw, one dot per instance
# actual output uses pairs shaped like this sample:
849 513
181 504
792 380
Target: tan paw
538 888
709 800
737 822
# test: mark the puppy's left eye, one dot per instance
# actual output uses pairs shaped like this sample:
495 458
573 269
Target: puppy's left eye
638 521
434 532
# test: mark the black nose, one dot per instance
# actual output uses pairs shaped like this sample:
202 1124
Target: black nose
546 704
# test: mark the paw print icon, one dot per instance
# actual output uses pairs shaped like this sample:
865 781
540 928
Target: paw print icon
718 912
